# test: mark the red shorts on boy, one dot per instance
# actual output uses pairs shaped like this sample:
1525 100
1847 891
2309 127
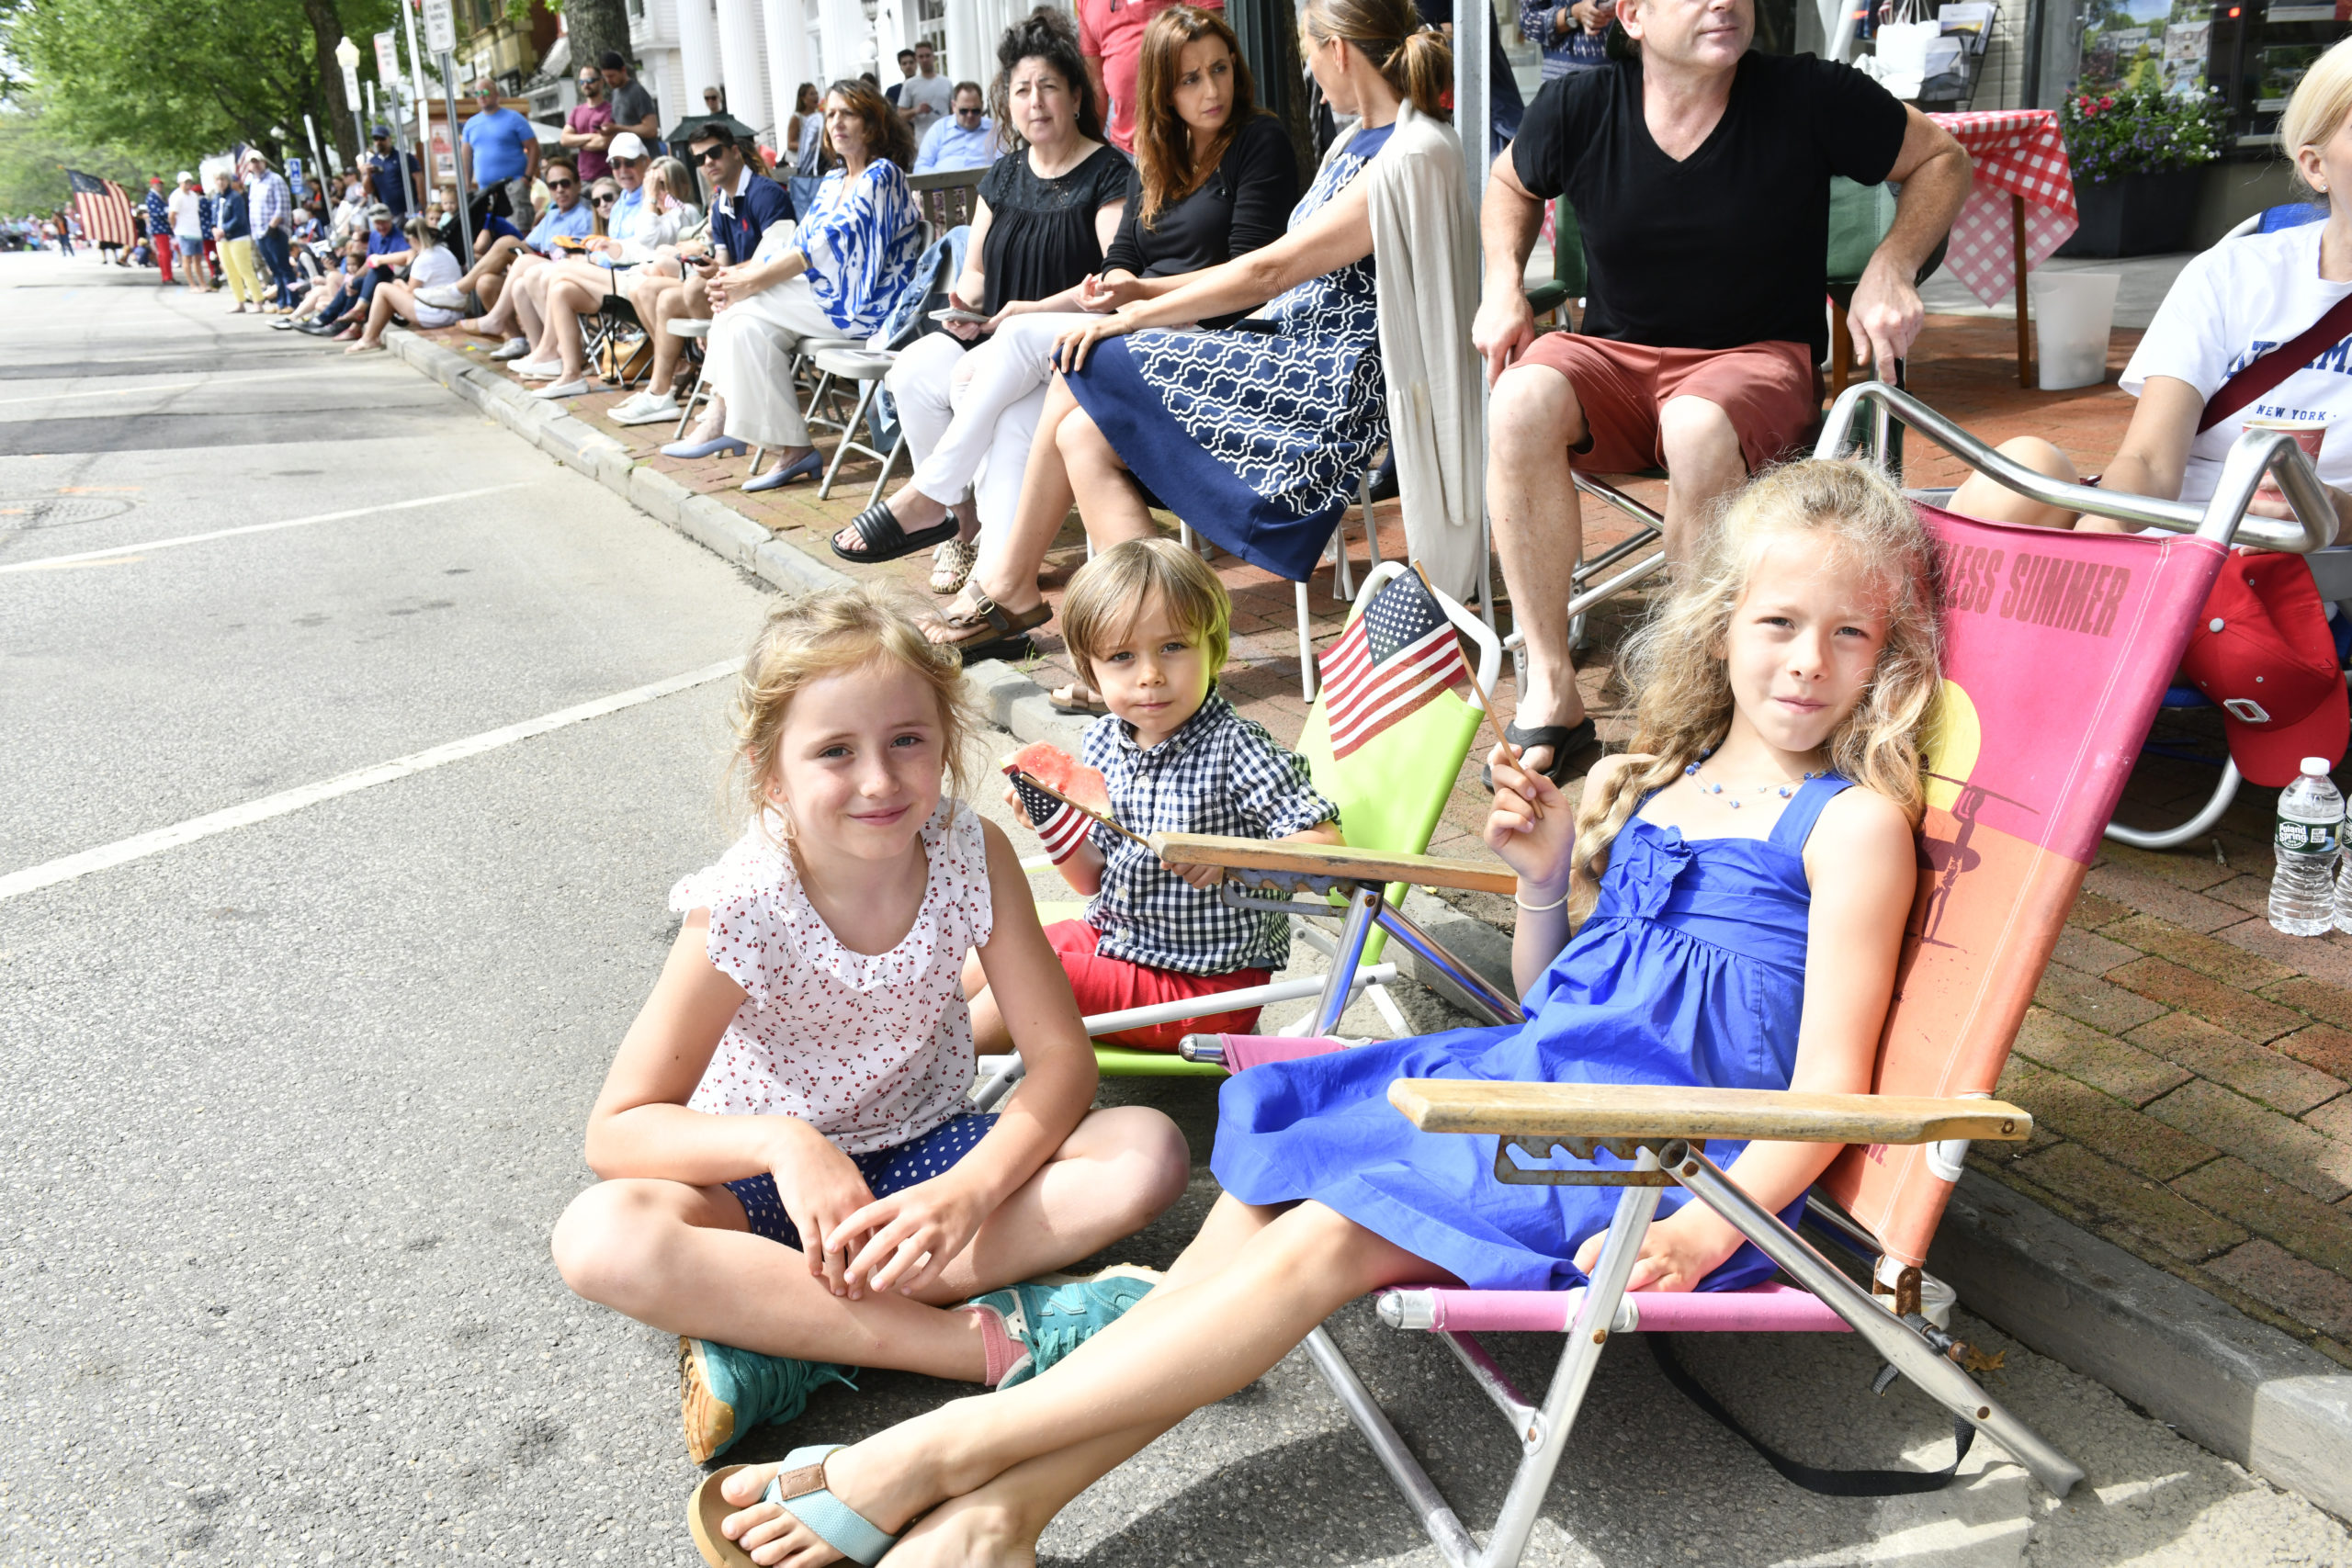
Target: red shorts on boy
1114 985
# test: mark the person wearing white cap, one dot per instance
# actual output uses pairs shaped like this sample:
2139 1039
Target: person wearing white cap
187 209
577 286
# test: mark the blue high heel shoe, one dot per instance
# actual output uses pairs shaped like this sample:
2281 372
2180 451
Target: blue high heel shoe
808 467
717 446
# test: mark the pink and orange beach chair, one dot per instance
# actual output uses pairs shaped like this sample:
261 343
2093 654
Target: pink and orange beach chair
2060 647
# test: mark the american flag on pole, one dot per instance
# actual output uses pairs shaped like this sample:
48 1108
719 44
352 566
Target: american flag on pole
1392 660
104 211
1062 826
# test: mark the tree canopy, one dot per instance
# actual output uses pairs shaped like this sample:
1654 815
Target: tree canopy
168 81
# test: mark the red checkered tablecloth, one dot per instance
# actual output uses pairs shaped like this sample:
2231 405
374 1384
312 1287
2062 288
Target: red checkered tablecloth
2017 153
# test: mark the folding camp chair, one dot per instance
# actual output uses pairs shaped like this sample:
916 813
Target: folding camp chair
2023 774
1390 792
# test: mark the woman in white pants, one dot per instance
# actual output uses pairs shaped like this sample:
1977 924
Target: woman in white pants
837 275
1044 216
1214 179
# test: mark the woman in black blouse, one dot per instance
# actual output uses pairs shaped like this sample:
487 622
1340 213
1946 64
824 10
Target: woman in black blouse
1046 213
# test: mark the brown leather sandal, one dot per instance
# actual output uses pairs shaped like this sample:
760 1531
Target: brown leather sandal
979 627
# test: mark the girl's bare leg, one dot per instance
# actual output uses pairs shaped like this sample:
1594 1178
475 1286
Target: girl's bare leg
1204 1334
680 1259
1108 501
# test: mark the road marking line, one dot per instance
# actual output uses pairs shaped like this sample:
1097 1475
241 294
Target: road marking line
152 545
278 805
211 377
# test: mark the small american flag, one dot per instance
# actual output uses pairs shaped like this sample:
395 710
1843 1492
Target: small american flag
1392 659
104 211
1062 826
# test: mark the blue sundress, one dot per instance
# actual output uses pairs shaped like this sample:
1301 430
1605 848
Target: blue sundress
1256 438
1691 972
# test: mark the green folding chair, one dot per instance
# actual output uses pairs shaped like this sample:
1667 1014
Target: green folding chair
1390 792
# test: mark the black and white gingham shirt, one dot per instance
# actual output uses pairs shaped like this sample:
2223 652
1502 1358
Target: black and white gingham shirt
1219 774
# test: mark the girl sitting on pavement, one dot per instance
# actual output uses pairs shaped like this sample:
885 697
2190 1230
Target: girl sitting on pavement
793 1181
1149 623
1743 909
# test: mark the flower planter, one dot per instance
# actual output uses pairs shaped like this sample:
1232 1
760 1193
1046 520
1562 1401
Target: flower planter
2134 215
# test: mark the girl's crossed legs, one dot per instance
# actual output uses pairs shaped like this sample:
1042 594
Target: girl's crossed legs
992 1472
682 1258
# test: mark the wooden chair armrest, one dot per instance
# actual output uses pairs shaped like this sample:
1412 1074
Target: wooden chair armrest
1337 861
1652 1111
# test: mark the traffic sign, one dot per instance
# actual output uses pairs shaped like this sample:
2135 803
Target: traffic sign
440 27
388 59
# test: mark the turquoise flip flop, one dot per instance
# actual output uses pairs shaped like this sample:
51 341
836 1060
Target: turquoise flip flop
799 1488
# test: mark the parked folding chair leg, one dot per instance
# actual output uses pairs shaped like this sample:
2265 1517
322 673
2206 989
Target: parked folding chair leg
2195 826
842 448
1892 1338
1305 644
1544 1437
1363 910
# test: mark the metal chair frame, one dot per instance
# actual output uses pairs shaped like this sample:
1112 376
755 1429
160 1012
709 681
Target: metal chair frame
1909 1343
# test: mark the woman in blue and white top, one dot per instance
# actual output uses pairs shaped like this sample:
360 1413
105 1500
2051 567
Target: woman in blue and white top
836 274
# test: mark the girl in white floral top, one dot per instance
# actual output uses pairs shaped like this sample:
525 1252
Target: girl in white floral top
801 1070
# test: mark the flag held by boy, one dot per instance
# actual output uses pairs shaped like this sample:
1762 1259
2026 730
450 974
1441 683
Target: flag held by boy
1392 660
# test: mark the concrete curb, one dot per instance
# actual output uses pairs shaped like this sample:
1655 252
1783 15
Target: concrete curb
2241 1388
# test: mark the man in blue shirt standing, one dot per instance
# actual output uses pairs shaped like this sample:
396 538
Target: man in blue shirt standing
388 172
500 153
964 139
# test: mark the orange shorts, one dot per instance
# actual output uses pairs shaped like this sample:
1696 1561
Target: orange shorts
1766 388
1114 985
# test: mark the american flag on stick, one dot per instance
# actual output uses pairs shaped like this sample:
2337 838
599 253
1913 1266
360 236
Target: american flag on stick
1060 821
104 211
1392 660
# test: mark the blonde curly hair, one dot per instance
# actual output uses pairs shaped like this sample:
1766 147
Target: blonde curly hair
827 633
1676 660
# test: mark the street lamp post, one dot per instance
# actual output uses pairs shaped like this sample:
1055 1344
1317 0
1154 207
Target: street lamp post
346 54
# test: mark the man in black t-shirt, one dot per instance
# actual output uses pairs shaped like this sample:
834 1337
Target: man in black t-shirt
1700 175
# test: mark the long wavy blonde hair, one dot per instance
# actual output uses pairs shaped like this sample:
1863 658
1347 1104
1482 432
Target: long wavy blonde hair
1676 660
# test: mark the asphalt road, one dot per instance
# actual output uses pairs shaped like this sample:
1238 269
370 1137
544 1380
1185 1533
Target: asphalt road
289 1108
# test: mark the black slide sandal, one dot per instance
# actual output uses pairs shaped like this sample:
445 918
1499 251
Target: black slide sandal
1575 748
886 541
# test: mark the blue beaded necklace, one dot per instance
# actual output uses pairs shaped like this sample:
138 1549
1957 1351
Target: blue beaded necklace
1785 790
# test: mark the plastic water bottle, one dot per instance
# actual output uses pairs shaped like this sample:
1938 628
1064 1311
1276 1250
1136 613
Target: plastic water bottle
2311 820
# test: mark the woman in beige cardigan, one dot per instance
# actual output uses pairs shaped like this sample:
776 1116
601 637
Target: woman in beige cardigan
1256 434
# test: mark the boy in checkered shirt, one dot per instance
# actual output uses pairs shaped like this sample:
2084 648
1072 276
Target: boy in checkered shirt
1149 624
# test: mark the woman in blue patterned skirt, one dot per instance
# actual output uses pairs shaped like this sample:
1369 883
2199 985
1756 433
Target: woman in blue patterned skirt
1254 434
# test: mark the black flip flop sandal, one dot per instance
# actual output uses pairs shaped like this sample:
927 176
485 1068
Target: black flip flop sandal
1575 748
886 541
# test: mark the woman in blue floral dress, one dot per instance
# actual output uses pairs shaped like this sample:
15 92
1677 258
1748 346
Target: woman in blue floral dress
1255 434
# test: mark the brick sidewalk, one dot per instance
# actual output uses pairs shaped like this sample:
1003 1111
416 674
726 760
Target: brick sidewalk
2187 1065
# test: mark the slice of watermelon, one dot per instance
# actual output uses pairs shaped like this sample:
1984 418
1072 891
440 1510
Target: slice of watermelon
1062 773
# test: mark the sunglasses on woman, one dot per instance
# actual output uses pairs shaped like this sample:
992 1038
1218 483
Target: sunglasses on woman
605 199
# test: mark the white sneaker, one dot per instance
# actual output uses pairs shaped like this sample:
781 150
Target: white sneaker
537 370
561 389
512 348
647 408
444 296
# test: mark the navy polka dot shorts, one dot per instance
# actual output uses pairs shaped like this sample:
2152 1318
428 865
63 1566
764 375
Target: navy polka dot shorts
885 1171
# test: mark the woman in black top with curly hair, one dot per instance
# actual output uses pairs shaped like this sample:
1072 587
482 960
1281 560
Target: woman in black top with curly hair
1046 212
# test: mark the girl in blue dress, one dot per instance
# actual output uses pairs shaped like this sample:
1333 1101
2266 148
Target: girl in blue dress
1744 876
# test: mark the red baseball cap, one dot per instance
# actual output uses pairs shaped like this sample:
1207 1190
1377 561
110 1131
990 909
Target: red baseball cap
2262 652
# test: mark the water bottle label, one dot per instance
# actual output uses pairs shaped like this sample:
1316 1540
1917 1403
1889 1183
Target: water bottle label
2308 837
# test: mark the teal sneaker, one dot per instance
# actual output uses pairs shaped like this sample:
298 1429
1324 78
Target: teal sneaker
1048 1318
725 1392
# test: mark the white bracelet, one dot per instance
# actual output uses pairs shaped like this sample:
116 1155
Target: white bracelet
1538 909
